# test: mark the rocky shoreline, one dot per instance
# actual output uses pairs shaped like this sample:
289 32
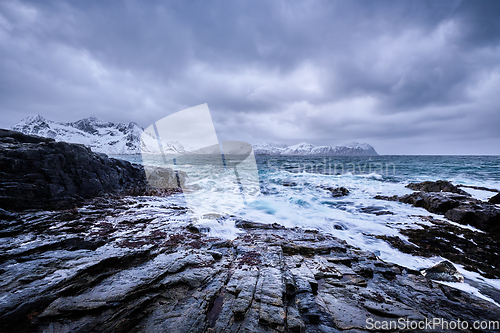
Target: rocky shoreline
115 259
442 197
129 265
477 251
40 173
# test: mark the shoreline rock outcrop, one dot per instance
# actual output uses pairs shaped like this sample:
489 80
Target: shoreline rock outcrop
495 199
437 186
476 250
444 271
40 173
442 197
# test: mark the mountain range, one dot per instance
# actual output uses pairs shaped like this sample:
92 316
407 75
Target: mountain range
101 136
124 139
350 149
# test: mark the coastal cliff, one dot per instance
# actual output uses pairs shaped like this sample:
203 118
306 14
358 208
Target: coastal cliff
40 173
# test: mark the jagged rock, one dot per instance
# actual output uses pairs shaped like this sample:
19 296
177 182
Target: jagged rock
162 178
336 191
40 173
475 250
288 183
458 208
376 211
437 186
243 224
7 216
387 198
495 199
444 271
484 216
434 202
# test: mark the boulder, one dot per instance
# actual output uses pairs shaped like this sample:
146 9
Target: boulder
495 199
434 202
336 191
484 216
444 271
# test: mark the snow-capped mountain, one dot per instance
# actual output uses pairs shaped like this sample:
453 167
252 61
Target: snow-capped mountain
267 148
299 149
122 139
100 136
350 149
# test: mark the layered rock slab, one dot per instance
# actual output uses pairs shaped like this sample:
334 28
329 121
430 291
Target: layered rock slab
125 272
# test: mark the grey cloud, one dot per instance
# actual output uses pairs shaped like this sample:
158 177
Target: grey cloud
320 71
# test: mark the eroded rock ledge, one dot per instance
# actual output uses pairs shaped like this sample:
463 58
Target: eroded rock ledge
130 265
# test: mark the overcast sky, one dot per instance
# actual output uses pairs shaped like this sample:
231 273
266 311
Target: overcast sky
408 77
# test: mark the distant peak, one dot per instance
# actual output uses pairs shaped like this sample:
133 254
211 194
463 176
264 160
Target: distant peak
34 118
91 119
354 144
302 144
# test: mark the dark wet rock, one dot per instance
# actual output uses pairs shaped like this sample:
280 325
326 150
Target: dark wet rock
437 186
197 228
495 199
336 191
376 210
220 244
387 198
458 208
476 251
400 244
243 224
433 202
151 275
7 216
484 216
40 173
339 226
444 271
288 183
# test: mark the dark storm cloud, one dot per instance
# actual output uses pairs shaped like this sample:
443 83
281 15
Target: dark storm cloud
408 77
